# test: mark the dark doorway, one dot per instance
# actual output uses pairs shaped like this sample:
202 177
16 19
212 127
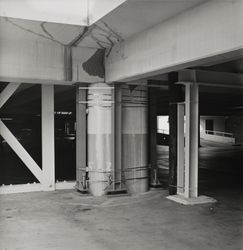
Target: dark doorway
209 127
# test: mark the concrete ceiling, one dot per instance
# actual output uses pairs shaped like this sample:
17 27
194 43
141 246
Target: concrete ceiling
135 16
130 18
77 12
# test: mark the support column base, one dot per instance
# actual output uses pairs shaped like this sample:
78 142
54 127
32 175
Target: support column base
191 201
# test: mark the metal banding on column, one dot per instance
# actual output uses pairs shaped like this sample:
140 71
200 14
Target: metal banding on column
99 137
134 136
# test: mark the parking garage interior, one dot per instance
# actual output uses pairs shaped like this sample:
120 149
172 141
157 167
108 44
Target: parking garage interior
22 115
219 160
121 130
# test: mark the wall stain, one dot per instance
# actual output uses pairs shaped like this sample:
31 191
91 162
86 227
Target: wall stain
94 66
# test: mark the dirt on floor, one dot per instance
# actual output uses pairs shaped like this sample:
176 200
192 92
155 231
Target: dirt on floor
69 220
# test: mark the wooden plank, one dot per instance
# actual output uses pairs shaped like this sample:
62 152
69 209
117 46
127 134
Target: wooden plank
8 92
39 81
65 185
20 188
81 136
20 151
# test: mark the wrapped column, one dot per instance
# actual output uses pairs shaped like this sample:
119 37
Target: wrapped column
134 138
99 137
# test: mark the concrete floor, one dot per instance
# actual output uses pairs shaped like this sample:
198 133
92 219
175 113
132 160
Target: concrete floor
220 166
69 220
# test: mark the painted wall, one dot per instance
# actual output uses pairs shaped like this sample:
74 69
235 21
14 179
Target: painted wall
31 50
199 35
234 124
219 122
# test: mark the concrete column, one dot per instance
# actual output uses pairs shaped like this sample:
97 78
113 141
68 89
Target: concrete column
191 143
134 138
180 149
99 131
187 161
48 137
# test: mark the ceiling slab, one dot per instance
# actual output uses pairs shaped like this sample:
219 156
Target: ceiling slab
57 11
135 16
98 9
76 12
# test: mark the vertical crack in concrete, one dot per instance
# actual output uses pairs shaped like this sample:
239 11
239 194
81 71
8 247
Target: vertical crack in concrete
68 62
109 34
99 42
45 30
108 30
31 31
79 38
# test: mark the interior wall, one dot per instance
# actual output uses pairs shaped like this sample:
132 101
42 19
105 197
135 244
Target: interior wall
218 121
234 124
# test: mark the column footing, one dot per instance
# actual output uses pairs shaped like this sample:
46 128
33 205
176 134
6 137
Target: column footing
191 201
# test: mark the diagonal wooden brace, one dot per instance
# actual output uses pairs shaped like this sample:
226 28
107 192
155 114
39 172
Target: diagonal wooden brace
7 92
20 151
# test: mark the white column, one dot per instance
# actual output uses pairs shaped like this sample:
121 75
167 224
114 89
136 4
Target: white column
135 138
48 137
99 138
187 167
180 148
191 142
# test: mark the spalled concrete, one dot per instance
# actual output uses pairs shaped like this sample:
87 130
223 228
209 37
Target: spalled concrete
69 220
